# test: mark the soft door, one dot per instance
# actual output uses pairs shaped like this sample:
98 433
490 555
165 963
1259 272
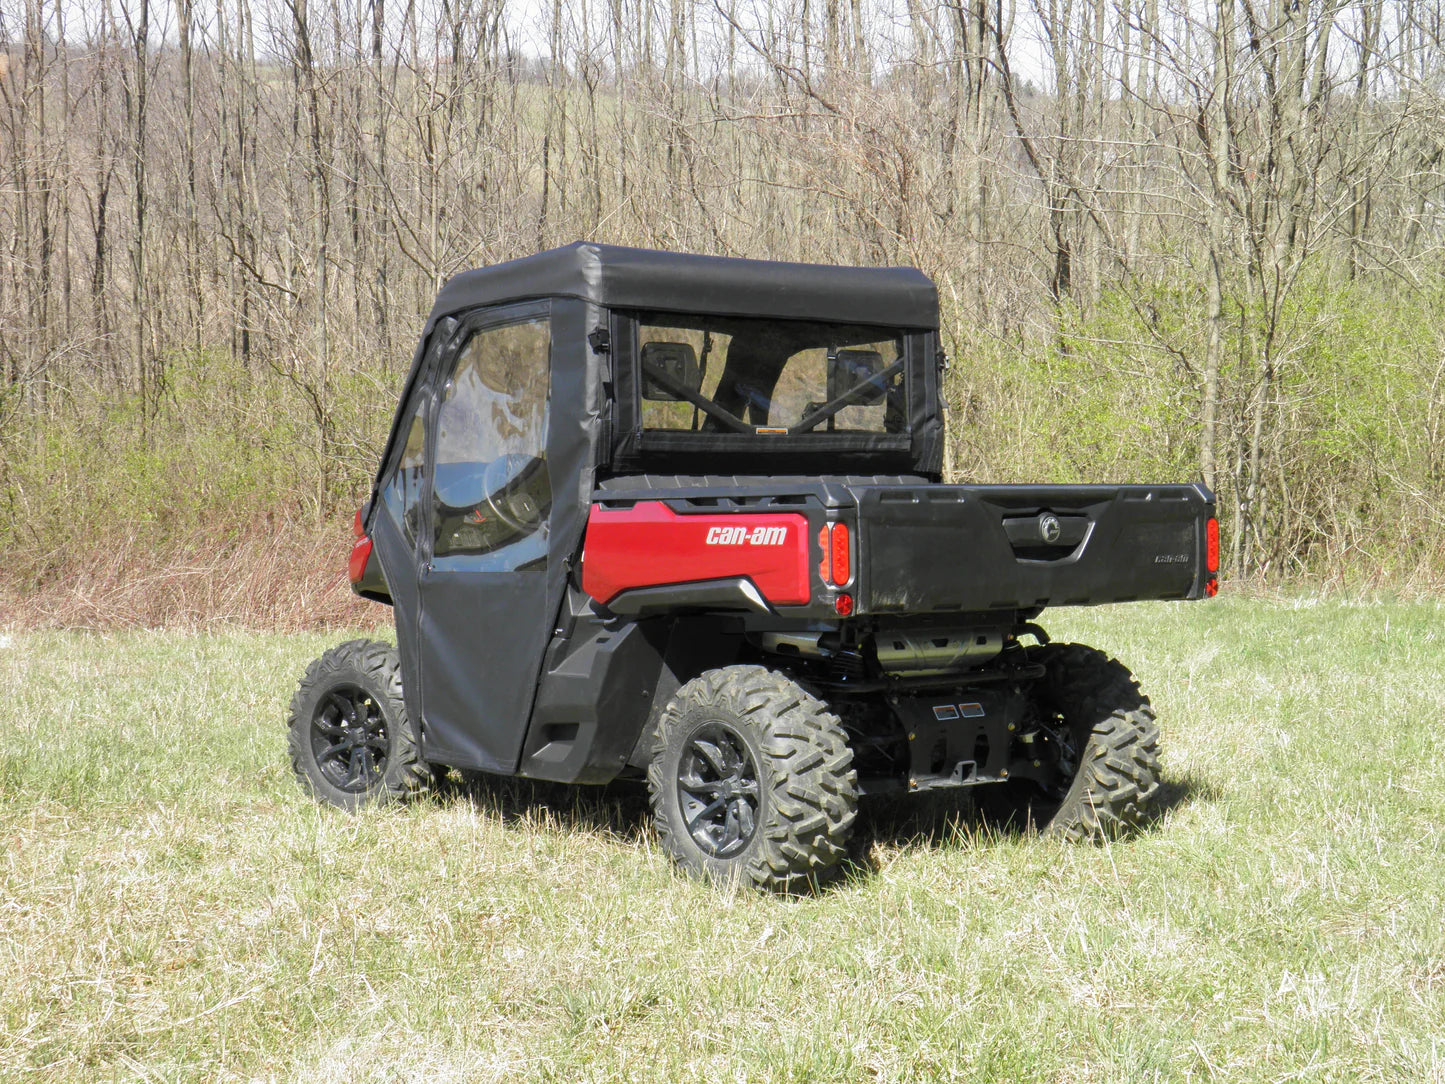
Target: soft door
483 583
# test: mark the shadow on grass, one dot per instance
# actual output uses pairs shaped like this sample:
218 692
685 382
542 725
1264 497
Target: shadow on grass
974 817
617 809
966 817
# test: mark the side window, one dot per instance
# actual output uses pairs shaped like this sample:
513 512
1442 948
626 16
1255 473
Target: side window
401 495
490 487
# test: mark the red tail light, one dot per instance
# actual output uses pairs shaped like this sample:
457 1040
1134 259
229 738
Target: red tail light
841 557
360 550
1211 545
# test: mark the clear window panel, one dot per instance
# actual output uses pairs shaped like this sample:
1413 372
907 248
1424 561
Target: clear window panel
490 488
748 375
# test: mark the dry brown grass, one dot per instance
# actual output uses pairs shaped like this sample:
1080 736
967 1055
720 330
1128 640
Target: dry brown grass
277 577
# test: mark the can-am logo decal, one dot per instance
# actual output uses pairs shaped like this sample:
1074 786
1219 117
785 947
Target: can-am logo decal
746 536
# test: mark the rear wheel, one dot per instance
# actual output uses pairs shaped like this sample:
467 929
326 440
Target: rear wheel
752 781
1098 731
1095 704
351 742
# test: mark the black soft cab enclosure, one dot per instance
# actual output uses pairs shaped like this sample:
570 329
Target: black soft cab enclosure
682 517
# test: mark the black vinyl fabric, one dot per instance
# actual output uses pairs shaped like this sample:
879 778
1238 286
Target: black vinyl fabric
398 565
472 641
610 276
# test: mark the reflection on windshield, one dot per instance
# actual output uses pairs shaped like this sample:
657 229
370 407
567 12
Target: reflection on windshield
719 374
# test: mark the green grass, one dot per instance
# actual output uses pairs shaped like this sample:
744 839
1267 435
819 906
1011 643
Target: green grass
171 905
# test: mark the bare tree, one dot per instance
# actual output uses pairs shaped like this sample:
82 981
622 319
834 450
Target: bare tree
1154 188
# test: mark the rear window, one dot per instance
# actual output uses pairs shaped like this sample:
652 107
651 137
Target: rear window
708 374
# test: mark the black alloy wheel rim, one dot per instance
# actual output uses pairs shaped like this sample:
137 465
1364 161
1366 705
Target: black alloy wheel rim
718 790
348 738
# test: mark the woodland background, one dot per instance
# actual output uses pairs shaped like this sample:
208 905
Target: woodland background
1174 239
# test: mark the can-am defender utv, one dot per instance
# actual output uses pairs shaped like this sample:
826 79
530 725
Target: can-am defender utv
673 515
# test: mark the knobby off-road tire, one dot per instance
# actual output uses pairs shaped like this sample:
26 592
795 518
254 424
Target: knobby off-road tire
351 741
752 781
1114 738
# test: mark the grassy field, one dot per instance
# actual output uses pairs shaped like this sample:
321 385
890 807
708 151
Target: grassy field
172 907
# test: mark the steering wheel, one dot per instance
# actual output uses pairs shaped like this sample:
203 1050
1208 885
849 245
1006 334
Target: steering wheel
509 501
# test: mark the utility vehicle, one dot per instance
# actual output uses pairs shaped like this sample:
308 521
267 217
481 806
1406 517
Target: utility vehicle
683 518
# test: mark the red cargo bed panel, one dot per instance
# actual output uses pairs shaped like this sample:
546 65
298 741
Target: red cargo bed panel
649 545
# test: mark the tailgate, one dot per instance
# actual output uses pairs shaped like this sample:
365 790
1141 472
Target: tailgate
951 548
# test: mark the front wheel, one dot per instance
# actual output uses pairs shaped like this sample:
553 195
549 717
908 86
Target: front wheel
752 781
351 742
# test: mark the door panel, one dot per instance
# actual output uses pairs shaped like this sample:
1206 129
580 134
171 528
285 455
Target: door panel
482 638
484 615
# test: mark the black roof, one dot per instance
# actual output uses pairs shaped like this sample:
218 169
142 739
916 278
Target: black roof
637 278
